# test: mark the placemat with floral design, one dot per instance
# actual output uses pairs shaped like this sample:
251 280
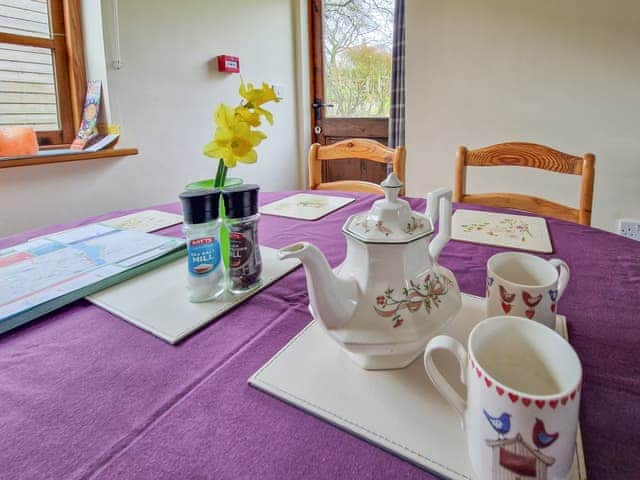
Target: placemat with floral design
512 231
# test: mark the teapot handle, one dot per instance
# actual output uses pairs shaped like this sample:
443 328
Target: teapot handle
439 210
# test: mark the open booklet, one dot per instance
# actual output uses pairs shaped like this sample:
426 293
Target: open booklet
49 272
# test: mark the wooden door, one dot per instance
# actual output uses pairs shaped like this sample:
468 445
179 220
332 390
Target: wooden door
351 79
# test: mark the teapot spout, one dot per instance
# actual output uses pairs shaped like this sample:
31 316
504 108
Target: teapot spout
333 299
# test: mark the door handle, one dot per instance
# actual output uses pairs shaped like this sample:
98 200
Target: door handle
317 105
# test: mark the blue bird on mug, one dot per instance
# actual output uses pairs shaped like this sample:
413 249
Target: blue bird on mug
501 424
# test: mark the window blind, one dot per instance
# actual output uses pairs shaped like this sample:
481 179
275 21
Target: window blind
27 82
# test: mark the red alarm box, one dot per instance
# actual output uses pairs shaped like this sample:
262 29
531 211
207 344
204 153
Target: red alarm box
228 64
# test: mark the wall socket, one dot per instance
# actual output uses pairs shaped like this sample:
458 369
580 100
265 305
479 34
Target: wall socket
629 228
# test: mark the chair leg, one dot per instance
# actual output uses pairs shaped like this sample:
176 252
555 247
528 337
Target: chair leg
315 167
459 186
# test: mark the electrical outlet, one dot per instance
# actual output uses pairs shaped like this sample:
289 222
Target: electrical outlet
629 228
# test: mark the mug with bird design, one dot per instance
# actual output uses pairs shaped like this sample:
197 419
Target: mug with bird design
520 411
525 285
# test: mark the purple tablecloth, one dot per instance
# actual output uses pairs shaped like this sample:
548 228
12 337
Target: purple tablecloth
84 394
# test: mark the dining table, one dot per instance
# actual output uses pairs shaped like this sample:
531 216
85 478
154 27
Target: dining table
86 395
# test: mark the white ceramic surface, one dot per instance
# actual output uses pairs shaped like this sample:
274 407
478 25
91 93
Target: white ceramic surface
389 296
157 301
520 411
398 410
525 285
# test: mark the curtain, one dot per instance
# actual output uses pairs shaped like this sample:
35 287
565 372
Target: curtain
396 116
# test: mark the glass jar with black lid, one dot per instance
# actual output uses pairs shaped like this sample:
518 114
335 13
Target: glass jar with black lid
241 220
206 279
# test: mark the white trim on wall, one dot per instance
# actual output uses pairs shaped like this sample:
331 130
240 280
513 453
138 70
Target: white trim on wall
303 87
95 58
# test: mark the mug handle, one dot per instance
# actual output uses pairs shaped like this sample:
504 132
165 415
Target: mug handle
563 279
444 342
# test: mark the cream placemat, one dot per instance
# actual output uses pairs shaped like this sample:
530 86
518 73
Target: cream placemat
306 206
522 232
144 221
157 301
397 410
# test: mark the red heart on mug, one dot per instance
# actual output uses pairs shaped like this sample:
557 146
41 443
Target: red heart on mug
564 400
573 395
514 398
488 382
526 402
553 403
478 372
540 403
553 307
500 390
506 307
530 314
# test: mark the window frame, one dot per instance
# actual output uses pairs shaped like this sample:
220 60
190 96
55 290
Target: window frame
66 45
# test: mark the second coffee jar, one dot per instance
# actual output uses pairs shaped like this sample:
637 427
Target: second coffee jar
241 220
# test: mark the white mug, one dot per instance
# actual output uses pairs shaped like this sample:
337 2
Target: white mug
523 285
523 395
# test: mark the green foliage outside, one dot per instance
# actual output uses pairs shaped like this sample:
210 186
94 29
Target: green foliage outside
360 85
357 57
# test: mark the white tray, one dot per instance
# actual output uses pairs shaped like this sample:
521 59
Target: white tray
397 410
157 300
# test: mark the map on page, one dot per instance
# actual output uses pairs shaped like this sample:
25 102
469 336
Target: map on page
56 265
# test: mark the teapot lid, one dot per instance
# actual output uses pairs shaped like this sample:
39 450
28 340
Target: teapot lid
390 219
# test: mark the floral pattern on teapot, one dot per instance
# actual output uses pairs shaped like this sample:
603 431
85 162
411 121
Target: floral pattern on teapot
429 294
367 226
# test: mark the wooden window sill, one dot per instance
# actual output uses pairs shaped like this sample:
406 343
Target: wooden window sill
66 157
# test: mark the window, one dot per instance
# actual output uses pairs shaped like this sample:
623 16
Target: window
42 77
358 38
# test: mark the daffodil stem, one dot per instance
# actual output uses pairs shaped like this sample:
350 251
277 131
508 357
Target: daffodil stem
221 175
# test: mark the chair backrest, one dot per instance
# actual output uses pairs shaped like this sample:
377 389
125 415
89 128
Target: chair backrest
528 155
353 148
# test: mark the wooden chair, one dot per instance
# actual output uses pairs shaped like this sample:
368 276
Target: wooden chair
528 155
353 148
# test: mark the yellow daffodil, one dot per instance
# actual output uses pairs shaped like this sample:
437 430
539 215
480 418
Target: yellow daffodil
256 97
249 116
235 137
234 140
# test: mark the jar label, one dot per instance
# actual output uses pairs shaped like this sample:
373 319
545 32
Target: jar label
245 262
241 249
204 255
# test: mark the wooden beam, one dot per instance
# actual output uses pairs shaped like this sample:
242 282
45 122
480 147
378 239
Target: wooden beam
25 40
525 203
63 81
75 57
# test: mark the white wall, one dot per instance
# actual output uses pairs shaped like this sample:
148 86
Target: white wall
95 61
562 73
163 98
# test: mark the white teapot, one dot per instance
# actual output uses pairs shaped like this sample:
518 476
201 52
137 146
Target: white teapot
389 296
